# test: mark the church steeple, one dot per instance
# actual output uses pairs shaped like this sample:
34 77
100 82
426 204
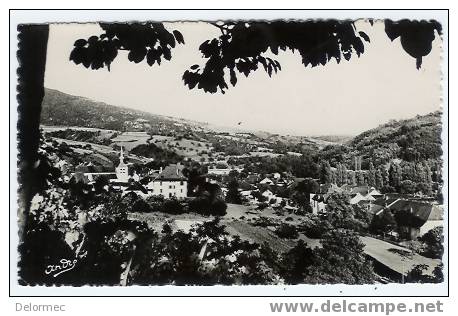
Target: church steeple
122 171
121 157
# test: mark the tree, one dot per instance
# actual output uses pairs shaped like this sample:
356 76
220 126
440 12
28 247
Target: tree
286 231
326 174
416 275
341 174
141 40
295 263
383 223
33 41
416 36
407 187
242 47
351 178
341 259
100 183
360 179
302 191
395 175
379 182
434 239
341 214
371 175
233 194
427 184
233 174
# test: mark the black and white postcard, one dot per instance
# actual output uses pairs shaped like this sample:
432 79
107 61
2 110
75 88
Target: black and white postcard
223 153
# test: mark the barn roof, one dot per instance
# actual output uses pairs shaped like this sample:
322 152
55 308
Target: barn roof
421 210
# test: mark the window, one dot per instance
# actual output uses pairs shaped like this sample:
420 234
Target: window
170 187
181 182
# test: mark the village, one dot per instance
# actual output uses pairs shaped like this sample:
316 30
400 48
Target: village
291 156
278 208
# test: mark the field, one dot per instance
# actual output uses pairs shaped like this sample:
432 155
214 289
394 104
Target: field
189 148
129 140
192 149
238 222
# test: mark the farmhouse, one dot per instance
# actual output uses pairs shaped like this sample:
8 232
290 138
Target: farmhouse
170 182
418 217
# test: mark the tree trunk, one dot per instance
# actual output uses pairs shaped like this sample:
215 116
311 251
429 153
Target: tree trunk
33 41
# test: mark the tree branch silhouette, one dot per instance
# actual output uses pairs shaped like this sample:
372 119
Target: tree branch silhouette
243 48
416 36
150 41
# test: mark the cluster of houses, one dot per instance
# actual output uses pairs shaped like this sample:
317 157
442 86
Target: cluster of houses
425 214
171 182
168 182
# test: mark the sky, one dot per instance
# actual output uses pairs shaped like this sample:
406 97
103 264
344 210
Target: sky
335 99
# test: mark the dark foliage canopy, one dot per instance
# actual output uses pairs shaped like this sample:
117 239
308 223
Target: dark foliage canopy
416 36
245 46
242 45
142 40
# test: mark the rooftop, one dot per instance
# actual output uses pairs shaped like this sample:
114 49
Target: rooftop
173 172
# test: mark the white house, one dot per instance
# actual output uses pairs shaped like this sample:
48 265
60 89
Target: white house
317 203
170 182
268 195
266 181
373 192
358 197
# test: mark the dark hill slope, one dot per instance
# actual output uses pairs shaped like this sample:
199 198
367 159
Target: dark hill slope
67 110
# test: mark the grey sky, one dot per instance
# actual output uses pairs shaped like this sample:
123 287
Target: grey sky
334 99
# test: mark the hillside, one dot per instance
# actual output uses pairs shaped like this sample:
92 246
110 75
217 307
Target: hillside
413 139
61 109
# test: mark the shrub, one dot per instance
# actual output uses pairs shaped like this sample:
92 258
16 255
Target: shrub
263 221
219 208
434 240
203 206
141 206
314 227
172 206
287 231
262 205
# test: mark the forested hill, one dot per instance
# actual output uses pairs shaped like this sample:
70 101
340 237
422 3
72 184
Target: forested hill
413 139
68 110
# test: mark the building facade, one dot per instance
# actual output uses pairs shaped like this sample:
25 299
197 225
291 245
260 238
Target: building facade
170 182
